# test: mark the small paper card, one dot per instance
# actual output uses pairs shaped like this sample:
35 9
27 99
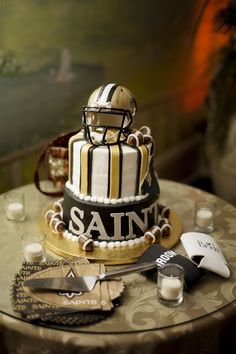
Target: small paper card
204 251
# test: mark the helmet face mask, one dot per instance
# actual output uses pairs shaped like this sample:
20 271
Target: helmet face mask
104 126
109 115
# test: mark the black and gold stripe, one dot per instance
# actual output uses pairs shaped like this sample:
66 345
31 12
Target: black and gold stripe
144 152
84 168
142 166
138 170
72 141
114 172
90 166
120 170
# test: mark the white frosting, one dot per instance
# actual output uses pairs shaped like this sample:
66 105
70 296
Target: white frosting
128 171
100 172
120 163
102 200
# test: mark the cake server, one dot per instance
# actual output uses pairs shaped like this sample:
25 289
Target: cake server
84 283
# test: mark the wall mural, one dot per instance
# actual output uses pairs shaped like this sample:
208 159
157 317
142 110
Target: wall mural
53 53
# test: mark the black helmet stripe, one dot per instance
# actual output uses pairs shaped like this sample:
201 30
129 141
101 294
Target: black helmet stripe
111 93
100 92
107 93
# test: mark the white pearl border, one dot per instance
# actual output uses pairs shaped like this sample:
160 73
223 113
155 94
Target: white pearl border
104 244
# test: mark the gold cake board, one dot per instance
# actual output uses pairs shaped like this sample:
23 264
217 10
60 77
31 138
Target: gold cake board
61 246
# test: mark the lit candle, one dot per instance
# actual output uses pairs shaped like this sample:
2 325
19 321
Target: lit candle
15 211
171 288
204 218
34 252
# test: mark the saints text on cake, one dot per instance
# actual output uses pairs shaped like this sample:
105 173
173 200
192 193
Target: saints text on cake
115 223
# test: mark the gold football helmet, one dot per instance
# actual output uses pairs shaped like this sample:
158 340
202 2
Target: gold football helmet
109 114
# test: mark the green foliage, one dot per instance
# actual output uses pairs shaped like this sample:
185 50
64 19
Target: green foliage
9 64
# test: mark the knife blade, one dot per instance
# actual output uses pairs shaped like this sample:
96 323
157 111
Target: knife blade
84 283
65 284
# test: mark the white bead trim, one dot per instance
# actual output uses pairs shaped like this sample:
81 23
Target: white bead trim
104 244
102 200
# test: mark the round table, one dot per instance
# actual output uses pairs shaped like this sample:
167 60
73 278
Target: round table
202 324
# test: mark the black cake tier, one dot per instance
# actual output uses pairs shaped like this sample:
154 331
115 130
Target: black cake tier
109 222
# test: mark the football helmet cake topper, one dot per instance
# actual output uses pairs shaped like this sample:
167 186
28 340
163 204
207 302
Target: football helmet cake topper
109 114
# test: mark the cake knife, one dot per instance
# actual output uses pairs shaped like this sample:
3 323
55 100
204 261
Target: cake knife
84 283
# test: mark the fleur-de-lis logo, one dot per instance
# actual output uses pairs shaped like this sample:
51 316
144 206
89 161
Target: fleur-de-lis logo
70 294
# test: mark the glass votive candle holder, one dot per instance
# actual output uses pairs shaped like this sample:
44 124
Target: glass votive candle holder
33 246
204 216
170 284
14 206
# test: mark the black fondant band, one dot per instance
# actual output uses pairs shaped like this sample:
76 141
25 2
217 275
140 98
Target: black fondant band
128 217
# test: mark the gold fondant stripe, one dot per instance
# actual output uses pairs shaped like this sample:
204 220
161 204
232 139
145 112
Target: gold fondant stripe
114 173
144 163
84 169
72 140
